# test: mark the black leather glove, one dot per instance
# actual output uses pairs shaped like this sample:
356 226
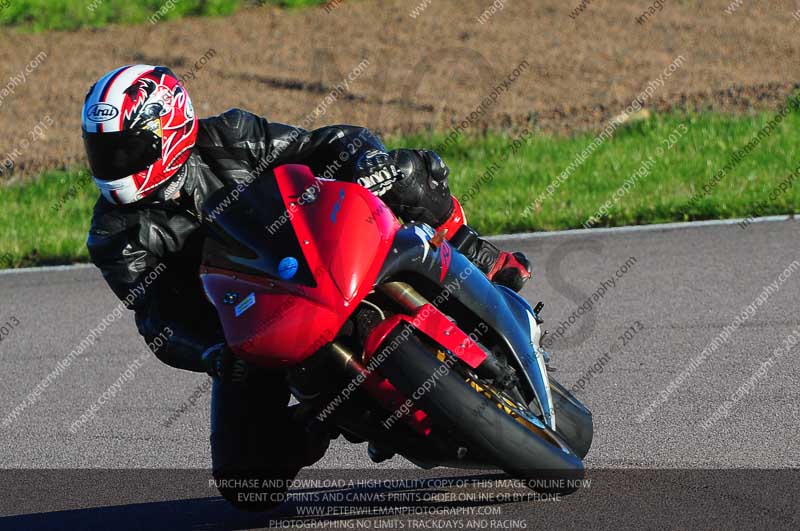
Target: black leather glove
423 194
376 172
221 363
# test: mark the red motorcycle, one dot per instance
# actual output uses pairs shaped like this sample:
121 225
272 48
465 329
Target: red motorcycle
387 333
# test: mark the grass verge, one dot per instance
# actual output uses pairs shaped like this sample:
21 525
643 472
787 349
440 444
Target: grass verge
39 15
662 186
45 221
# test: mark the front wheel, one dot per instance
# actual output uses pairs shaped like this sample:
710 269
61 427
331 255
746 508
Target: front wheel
488 422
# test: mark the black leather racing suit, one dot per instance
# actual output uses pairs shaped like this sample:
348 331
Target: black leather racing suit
149 252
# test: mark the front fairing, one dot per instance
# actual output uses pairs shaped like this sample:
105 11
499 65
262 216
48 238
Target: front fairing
500 308
289 258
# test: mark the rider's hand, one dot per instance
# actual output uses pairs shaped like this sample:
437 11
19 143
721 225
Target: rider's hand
376 172
221 363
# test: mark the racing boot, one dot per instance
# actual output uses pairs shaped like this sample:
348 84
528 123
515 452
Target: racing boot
512 270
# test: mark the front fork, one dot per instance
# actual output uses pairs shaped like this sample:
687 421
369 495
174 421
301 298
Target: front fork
417 250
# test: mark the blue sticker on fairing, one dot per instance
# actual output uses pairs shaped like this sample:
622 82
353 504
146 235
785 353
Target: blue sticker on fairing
337 206
287 267
246 304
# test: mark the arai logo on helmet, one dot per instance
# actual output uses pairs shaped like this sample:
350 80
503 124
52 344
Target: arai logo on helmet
102 112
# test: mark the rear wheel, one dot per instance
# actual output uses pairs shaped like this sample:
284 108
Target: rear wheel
489 422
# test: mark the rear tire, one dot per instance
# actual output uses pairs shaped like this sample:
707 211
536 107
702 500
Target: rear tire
505 442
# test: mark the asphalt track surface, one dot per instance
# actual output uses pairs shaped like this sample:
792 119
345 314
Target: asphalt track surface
659 460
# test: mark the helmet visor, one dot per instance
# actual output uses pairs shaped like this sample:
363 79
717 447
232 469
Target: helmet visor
119 154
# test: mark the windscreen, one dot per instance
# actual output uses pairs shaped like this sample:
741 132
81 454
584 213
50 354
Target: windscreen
251 232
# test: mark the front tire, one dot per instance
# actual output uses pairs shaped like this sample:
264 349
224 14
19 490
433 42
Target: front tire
521 449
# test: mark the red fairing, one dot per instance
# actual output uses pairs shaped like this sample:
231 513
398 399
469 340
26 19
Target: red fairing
345 234
456 220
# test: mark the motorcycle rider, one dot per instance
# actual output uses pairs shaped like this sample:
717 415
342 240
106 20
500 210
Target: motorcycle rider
155 164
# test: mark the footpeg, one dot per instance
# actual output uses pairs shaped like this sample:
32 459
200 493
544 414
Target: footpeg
538 310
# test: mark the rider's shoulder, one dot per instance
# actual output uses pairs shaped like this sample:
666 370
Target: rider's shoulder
230 124
116 241
109 222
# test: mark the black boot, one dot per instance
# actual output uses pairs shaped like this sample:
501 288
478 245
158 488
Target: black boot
508 269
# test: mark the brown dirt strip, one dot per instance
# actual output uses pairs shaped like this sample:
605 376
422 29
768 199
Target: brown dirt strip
427 72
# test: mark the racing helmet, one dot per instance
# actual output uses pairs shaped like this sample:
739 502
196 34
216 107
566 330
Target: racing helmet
139 129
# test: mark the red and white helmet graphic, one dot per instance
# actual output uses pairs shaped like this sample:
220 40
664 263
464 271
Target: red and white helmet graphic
139 128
